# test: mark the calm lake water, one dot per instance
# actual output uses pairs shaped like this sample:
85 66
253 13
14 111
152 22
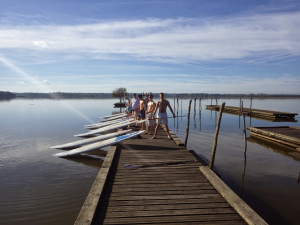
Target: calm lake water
37 188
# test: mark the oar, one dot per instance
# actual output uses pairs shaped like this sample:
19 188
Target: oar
165 117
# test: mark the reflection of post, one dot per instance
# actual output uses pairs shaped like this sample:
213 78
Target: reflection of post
195 113
188 124
200 113
177 113
181 108
212 159
298 178
245 150
174 105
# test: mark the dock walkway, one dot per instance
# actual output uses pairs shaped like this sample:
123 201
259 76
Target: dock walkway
169 189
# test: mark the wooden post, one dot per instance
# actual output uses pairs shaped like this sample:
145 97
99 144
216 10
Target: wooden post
245 150
174 105
240 105
212 159
188 124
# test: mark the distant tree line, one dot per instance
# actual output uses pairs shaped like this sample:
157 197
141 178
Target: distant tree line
65 95
6 95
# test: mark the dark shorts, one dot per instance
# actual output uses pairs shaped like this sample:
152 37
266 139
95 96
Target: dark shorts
142 114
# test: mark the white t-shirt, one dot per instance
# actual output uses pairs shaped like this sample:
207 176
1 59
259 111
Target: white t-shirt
135 103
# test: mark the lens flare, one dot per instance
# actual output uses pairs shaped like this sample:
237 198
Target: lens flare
42 87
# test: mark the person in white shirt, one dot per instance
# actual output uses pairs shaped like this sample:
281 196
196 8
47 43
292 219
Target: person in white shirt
135 106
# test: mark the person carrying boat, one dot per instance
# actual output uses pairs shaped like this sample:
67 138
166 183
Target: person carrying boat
135 105
128 106
162 105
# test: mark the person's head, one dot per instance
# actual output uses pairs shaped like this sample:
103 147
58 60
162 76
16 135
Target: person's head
151 97
140 97
134 95
161 95
126 97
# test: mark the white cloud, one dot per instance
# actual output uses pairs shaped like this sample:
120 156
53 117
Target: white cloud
46 82
20 82
41 44
181 40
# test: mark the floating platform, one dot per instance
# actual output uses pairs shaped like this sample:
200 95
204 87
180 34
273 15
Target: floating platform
258 113
119 105
287 135
170 186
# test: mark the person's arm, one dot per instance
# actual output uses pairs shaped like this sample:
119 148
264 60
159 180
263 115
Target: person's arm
171 109
155 109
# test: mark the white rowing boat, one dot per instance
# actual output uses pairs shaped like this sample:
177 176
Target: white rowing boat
103 124
113 115
98 145
109 128
90 140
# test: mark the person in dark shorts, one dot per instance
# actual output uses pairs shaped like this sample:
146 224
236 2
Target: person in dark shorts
141 111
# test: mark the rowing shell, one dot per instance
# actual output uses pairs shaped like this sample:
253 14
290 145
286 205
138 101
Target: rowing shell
90 140
109 128
108 123
113 118
118 114
98 145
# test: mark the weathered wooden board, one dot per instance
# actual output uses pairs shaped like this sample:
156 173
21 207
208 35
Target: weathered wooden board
170 189
287 135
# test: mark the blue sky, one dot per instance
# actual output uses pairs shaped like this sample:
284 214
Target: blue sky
190 46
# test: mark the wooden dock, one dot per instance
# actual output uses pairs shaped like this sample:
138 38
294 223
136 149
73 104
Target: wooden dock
172 187
256 113
287 135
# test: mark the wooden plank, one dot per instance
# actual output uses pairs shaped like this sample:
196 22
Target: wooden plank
168 207
260 130
157 213
239 205
88 209
178 218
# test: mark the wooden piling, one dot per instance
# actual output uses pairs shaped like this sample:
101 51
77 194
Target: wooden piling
188 124
245 156
211 164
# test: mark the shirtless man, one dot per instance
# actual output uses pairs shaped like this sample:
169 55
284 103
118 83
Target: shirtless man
141 111
162 114
149 115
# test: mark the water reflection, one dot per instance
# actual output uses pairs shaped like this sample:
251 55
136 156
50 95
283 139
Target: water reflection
276 147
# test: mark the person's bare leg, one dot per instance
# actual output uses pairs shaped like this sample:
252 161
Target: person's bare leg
167 130
147 129
151 130
142 125
155 133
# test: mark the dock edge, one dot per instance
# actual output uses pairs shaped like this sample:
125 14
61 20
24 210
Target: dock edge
248 214
88 209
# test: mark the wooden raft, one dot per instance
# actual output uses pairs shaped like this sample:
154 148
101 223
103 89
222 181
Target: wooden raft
287 135
170 189
259 113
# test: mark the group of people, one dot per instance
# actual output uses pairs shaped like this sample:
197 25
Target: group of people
140 108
